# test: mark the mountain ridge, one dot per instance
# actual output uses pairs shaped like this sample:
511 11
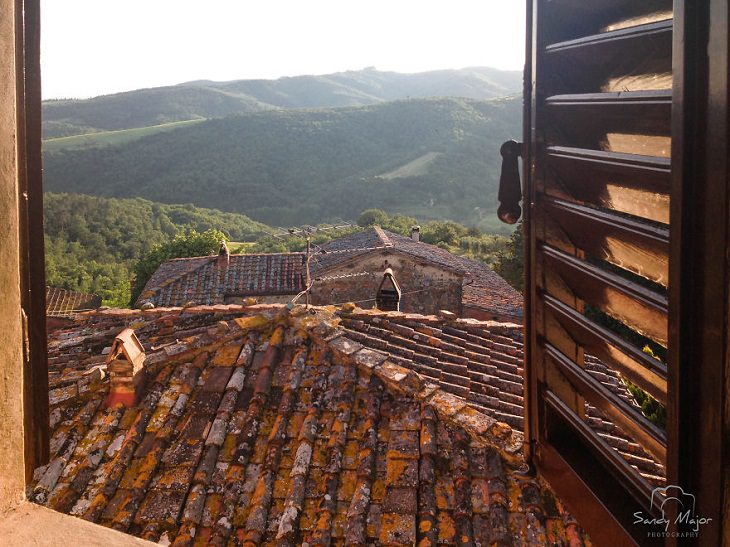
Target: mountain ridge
210 99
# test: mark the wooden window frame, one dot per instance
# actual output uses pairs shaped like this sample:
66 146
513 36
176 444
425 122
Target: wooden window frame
699 338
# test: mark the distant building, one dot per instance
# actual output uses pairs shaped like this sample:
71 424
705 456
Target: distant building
62 302
430 279
225 279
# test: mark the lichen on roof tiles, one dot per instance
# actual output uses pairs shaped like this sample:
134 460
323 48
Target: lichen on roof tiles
481 363
263 426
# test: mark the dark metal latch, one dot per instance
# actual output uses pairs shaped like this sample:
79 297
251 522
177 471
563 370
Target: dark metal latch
510 188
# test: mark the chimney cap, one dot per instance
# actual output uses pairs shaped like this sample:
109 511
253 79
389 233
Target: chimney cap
127 344
224 256
125 364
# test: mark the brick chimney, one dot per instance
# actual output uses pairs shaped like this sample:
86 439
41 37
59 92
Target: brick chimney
125 366
224 256
416 233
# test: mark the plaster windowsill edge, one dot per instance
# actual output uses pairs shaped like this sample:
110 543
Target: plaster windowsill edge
31 524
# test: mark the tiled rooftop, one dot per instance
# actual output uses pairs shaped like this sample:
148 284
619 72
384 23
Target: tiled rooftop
483 288
263 426
61 302
202 281
483 363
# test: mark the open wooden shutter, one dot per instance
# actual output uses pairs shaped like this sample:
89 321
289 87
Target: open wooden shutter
616 194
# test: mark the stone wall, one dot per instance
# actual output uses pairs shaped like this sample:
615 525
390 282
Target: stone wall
437 288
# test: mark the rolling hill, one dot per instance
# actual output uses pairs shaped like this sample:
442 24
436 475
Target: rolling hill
99 245
92 243
104 138
430 158
206 99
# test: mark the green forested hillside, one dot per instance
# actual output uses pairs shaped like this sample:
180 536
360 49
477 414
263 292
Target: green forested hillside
141 108
205 99
97 244
454 237
105 138
369 86
92 243
429 158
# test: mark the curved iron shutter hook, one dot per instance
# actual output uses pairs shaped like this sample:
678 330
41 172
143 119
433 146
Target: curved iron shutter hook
510 187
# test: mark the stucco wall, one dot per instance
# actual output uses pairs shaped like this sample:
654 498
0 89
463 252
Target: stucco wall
438 289
31 524
12 474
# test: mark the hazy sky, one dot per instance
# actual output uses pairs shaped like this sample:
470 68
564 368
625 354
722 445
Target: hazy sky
94 47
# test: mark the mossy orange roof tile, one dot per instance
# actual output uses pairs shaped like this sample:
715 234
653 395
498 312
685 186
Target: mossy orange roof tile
258 428
478 367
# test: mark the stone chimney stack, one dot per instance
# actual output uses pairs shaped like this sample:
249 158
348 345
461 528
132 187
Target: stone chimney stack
416 233
224 256
125 366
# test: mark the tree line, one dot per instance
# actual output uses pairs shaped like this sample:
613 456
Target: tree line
93 244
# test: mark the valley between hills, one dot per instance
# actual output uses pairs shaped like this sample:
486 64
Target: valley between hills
126 172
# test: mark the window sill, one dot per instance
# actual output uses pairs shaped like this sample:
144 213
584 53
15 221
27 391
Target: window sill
31 524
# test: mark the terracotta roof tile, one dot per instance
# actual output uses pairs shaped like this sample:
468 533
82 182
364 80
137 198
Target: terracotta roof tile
489 374
180 281
260 427
202 281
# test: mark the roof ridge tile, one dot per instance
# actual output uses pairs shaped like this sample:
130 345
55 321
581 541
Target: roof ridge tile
383 236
